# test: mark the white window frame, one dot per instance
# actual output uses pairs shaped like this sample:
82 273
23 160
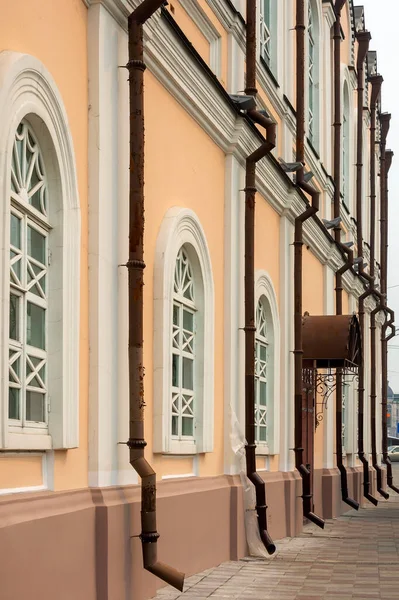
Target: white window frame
264 290
181 227
269 29
314 138
346 144
28 91
262 368
184 346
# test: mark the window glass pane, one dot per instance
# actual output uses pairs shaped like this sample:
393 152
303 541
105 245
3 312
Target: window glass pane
175 369
15 365
266 4
13 403
35 326
175 314
262 434
15 231
14 317
262 352
16 267
175 425
262 393
187 426
36 245
188 320
188 373
35 405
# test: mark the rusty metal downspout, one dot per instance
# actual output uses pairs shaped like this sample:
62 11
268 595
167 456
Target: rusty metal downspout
135 265
307 492
385 165
339 4
363 38
250 325
376 82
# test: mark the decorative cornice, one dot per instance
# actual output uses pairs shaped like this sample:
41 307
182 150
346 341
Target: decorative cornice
186 79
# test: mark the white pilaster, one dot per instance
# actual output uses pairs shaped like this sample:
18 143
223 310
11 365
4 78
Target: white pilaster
233 312
329 412
108 169
287 457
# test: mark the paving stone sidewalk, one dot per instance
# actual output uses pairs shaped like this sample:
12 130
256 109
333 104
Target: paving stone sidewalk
355 557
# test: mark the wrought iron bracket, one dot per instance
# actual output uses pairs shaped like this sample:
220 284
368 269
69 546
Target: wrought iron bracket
325 386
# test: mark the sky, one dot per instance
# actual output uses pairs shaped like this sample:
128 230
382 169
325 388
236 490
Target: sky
382 17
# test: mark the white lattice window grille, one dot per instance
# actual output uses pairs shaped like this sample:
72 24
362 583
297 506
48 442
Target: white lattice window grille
29 229
265 28
345 146
344 155
261 374
345 392
183 350
311 74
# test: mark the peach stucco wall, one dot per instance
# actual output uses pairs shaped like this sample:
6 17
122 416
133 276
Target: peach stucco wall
54 31
346 42
20 471
192 176
267 245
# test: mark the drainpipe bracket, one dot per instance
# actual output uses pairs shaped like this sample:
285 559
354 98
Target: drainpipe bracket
149 537
136 444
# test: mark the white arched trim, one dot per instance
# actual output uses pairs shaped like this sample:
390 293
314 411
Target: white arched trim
28 91
181 227
347 91
264 288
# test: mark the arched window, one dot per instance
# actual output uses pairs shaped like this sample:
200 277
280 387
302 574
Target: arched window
183 349
262 351
313 74
183 337
267 366
345 147
29 274
40 270
268 19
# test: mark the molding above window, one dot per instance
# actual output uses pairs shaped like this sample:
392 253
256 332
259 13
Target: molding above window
179 227
329 13
208 30
27 90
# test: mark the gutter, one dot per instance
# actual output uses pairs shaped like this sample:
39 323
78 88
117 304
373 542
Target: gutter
250 324
135 265
376 82
386 161
311 209
363 38
337 236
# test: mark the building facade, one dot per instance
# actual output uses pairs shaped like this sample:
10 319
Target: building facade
69 499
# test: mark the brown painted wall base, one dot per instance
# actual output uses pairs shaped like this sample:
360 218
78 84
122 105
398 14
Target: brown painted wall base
84 544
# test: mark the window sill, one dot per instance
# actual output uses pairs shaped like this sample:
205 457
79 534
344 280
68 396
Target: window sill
262 450
28 441
182 447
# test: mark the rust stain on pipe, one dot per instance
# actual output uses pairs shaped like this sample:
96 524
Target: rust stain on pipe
337 236
385 165
135 265
307 491
376 82
363 38
250 325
